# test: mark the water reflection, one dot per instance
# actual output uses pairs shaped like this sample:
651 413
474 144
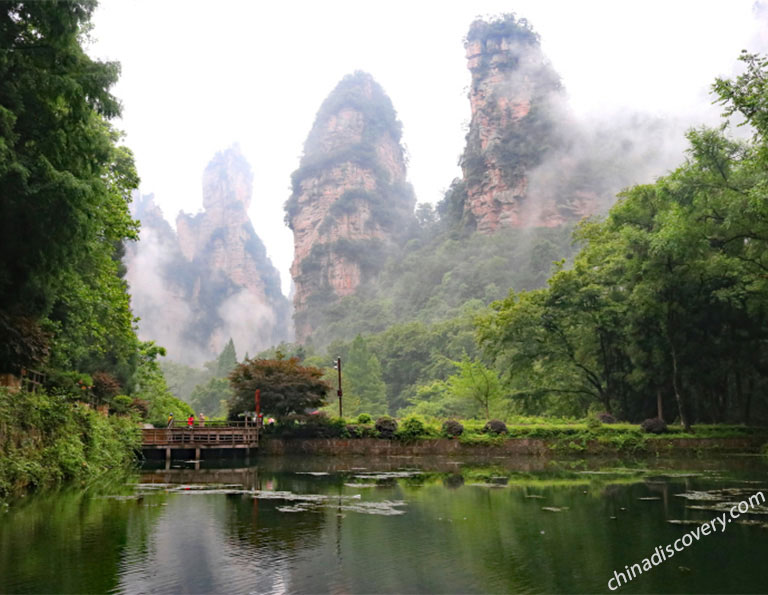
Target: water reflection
384 526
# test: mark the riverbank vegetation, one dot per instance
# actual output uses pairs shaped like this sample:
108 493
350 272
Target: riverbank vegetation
564 436
68 343
45 440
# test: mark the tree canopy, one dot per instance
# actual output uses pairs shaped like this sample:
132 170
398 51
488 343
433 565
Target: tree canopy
286 387
666 304
66 185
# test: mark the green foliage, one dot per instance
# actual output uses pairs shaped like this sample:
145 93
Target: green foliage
151 388
411 428
666 300
286 387
318 425
121 404
227 360
64 213
364 389
433 279
182 380
477 383
46 440
593 423
211 398
364 418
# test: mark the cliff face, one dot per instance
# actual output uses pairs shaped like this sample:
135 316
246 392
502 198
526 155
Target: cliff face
514 97
350 199
211 280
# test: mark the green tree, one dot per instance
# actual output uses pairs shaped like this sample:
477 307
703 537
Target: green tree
65 186
477 383
362 382
227 360
211 398
668 298
151 387
286 387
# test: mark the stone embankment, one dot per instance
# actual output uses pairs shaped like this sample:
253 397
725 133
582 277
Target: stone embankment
510 447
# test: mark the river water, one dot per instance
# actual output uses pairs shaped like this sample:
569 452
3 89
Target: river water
398 525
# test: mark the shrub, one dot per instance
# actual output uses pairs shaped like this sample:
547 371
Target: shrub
606 418
386 426
412 427
593 423
142 406
364 418
654 425
360 431
121 404
105 385
452 428
71 384
318 425
495 426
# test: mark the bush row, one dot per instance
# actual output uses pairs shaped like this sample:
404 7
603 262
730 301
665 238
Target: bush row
474 431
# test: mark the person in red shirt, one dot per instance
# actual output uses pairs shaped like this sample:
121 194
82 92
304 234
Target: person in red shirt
191 421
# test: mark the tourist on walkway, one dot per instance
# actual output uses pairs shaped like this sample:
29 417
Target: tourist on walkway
170 419
201 420
191 421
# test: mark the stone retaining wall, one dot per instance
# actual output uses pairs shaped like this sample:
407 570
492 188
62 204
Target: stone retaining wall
513 446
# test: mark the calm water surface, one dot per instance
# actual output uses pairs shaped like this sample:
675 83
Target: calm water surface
403 525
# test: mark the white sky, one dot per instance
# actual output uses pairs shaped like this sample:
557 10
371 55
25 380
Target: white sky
198 76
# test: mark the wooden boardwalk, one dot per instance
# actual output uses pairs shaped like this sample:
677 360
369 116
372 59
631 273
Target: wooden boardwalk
218 435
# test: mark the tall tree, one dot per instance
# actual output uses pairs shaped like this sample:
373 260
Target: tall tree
65 187
363 384
227 360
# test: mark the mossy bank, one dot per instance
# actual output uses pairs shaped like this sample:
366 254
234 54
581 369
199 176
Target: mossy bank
45 440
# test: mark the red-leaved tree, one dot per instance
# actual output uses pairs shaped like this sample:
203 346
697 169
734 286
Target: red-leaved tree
286 387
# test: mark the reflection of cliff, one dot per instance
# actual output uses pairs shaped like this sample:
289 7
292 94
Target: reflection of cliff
212 280
350 199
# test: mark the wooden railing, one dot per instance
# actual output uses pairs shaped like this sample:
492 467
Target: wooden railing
183 423
213 434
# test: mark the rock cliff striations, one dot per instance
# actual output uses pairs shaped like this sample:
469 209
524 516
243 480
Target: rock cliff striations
212 280
350 201
514 97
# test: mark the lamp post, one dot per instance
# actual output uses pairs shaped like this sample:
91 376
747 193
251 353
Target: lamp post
337 365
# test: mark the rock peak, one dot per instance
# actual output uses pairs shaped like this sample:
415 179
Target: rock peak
227 180
350 197
513 95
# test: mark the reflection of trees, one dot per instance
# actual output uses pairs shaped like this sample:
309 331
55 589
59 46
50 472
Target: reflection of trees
68 541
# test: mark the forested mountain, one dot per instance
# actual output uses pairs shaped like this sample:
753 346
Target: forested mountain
531 171
661 310
211 281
